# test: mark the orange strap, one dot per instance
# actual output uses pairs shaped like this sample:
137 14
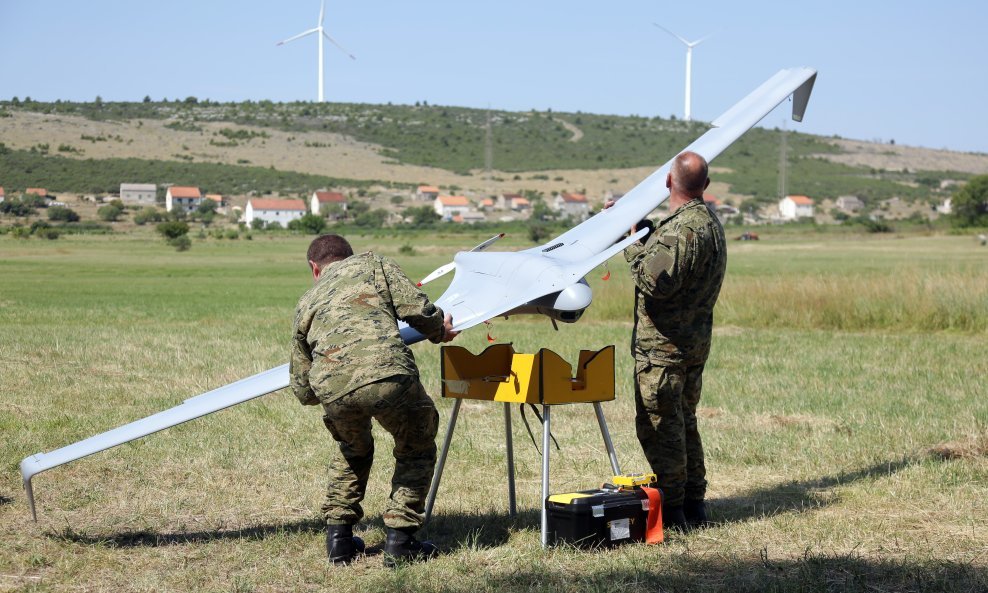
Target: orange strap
653 524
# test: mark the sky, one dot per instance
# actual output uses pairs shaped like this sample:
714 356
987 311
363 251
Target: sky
909 71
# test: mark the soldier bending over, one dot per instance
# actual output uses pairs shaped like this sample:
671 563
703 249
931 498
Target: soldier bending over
348 356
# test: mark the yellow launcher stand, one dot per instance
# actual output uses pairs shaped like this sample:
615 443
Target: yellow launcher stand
502 375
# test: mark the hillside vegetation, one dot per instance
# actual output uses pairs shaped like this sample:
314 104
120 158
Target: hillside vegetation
454 139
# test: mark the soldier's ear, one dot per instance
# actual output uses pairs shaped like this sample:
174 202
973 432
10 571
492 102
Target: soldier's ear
316 270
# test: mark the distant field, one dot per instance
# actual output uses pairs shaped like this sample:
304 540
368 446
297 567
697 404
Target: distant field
844 418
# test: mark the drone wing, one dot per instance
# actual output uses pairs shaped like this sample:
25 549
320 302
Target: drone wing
486 284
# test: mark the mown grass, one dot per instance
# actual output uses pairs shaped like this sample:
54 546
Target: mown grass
844 421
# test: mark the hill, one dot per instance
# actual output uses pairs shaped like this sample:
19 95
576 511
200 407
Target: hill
399 146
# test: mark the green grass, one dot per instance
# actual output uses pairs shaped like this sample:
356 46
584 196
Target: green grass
846 434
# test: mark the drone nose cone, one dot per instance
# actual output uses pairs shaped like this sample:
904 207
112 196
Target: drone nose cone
574 297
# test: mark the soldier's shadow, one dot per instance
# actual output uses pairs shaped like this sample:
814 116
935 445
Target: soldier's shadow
454 531
796 496
492 529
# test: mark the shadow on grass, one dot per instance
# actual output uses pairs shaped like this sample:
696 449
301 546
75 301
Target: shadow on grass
481 530
490 530
796 496
810 574
5 500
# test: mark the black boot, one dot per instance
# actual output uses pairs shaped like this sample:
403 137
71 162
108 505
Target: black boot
673 518
696 513
401 545
342 546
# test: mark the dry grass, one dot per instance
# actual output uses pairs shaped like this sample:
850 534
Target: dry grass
817 442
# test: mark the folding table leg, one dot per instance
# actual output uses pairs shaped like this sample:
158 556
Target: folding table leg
438 474
512 510
607 438
546 433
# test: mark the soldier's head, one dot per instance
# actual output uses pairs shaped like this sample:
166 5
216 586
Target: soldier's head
325 250
687 178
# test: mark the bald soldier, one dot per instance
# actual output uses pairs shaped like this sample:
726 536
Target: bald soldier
348 356
678 274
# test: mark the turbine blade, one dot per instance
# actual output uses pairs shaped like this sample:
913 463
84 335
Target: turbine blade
686 43
309 32
341 48
322 11
700 40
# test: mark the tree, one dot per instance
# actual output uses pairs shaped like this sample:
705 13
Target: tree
110 212
173 229
63 214
309 223
206 211
970 203
422 215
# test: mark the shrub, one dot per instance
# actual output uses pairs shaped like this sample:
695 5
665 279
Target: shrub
148 214
232 234
181 243
406 249
309 224
49 233
20 232
110 212
173 229
63 214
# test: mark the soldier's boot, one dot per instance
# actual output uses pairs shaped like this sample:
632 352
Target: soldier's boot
342 546
673 518
695 512
401 546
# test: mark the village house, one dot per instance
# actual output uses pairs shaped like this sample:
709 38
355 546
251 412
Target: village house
426 193
2 196
217 198
327 199
138 193
38 191
470 217
945 207
793 207
184 198
487 204
449 206
849 204
274 210
574 206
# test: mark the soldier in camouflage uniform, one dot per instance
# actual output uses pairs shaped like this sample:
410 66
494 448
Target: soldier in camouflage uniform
678 274
348 356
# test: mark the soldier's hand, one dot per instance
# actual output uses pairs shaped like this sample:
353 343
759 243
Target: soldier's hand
608 204
448 333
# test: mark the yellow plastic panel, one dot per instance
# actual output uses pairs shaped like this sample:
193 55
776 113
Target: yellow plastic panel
469 376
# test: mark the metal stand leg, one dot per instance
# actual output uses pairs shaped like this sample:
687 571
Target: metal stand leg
607 438
438 474
511 460
545 473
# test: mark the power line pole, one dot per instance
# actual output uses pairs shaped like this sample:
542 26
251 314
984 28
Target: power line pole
489 155
783 161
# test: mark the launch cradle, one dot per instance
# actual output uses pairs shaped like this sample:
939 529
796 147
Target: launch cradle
500 374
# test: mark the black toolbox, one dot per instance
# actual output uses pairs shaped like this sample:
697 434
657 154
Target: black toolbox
597 518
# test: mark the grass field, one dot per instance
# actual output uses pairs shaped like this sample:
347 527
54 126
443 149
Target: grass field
844 417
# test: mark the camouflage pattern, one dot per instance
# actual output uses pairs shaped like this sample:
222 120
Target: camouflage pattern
402 407
346 329
678 275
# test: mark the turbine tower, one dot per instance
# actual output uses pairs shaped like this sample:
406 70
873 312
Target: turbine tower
689 66
320 33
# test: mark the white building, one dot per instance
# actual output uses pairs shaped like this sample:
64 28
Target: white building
946 207
427 193
325 198
793 207
182 198
850 204
274 210
138 193
574 206
2 196
449 206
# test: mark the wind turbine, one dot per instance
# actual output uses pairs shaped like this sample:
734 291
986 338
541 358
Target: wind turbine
320 33
689 65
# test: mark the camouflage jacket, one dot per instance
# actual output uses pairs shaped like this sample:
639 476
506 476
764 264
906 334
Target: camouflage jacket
346 328
677 274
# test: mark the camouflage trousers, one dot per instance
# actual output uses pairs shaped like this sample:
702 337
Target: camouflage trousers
403 408
665 403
